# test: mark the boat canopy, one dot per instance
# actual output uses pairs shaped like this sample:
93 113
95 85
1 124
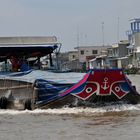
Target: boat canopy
27 46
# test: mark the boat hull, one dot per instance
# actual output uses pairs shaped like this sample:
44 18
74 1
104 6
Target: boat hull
96 88
93 101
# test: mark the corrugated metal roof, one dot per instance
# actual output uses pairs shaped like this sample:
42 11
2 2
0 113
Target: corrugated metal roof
26 40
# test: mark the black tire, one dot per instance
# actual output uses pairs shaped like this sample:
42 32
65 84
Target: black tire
28 104
3 102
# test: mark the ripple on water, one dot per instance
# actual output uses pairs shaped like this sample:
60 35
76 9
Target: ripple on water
76 110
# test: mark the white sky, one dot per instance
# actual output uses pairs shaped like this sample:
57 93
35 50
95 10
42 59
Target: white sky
65 18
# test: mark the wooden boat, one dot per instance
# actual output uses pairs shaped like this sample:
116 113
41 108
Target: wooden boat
96 87
17 51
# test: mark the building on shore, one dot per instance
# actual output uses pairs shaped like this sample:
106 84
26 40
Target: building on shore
134 40
119 57
87 53
69 61
115 57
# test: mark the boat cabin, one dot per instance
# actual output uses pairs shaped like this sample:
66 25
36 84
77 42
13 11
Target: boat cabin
22 53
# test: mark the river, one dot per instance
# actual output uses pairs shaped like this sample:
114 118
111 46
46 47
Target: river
105 123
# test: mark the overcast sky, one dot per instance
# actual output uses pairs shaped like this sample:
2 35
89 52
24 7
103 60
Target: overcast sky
71 21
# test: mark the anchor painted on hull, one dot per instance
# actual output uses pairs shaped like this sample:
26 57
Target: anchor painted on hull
105 84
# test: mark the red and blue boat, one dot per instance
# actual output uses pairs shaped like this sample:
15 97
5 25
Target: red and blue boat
97 87
18 90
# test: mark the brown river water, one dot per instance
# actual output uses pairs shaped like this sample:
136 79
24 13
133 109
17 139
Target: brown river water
112 122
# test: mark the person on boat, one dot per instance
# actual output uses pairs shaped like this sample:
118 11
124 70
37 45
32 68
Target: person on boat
15 63
24 66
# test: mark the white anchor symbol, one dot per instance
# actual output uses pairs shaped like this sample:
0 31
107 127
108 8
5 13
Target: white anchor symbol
105 84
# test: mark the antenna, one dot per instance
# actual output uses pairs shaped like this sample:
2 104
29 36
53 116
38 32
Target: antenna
103 33
77 36
85 39
118 30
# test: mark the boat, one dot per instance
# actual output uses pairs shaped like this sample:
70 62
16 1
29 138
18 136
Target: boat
15 55
19 90
97 87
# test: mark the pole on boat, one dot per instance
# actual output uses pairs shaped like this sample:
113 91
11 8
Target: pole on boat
6 68
51 63
39 66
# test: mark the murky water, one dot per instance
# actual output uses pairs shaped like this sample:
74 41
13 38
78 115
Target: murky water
104 123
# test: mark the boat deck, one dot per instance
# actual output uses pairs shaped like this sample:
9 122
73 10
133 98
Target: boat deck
70 77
